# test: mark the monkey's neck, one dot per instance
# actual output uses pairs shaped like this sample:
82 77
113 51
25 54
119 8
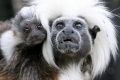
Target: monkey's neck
73 67
62 60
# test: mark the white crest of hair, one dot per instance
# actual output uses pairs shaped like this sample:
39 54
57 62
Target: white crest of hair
27 12
95 14
47 48
8 43
72 72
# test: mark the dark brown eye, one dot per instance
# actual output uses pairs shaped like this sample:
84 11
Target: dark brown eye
60 25
27 29
39 27
77 25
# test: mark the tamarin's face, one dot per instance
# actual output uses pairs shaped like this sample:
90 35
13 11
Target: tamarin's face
32 32
72 36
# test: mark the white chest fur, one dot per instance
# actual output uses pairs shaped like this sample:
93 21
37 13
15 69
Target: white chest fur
8 42
73 72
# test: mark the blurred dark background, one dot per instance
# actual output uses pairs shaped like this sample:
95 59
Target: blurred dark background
8 8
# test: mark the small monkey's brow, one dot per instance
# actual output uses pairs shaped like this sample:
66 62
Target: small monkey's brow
81 17
56 17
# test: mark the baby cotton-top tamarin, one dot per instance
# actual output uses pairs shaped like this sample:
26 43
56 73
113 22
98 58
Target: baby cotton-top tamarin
21 47
24 29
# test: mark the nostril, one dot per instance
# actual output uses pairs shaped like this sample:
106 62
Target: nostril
61 42
68 31
63 31
72 31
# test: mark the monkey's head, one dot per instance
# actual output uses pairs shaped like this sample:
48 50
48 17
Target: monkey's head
94 13
71 36
32 32
30 29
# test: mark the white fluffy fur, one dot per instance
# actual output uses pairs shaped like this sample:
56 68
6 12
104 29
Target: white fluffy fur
73 72
8 43
95 14
47 48
27 12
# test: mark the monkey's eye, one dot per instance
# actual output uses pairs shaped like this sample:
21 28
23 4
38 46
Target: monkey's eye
60 25
39 27
27 29
77 25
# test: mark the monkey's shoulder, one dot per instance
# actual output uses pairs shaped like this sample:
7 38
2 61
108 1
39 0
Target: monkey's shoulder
4 26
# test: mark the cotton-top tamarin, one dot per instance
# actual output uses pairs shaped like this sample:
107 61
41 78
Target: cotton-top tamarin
60 18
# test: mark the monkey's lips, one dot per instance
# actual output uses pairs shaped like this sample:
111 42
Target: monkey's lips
33 42
68 45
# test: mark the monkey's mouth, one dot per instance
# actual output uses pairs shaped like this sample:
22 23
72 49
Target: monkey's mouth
69 40
68 44
33 42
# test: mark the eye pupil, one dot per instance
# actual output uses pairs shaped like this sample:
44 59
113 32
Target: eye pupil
39 26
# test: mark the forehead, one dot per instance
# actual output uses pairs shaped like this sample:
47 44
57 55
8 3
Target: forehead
70 19
30 22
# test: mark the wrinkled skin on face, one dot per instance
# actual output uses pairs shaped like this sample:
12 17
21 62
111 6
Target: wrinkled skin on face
71 36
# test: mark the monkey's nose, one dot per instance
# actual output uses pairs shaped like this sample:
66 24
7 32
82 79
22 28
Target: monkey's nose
68 31
35 37
35 40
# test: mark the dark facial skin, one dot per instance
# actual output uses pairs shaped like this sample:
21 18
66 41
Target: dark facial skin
32 32
71 36
71 39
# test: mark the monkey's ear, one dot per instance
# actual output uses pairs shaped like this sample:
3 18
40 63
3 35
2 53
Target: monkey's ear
94 31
